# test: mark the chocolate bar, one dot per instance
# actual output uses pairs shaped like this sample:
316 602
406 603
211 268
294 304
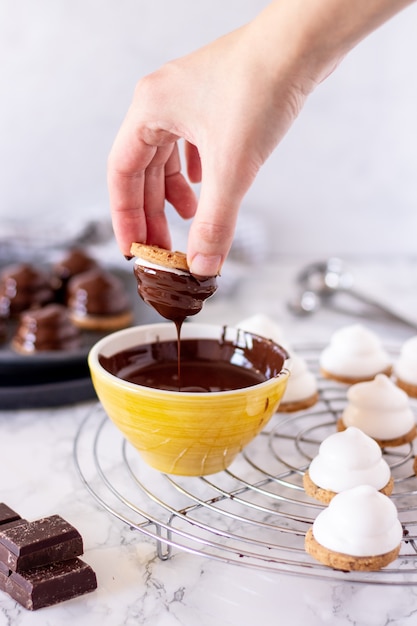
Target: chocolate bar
49 584
7 515
32 544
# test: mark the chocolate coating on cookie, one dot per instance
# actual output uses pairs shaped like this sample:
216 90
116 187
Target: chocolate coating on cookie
98 299
22 287
48 328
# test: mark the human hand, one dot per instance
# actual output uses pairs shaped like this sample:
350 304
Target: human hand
231 101
232 111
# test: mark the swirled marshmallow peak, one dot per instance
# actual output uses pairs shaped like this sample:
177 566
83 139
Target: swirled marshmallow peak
405 368
379 408
355 352
302 383
360 522
347 459
262 325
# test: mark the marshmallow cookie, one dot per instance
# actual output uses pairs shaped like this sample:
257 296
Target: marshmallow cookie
405 368
358 531
345 460
353 355
301 391
381 410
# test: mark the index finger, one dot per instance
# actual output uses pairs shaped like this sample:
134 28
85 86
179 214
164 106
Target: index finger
127 163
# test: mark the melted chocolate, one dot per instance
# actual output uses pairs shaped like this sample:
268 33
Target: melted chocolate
174 296
207 365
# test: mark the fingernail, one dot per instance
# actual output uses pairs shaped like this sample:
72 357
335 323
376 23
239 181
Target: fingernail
205 265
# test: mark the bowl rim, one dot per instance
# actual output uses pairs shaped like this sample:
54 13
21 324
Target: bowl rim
212 330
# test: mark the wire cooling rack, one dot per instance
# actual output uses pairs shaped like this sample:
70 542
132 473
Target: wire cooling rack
255 513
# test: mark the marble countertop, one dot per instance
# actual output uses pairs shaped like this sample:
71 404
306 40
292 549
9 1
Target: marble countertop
39 478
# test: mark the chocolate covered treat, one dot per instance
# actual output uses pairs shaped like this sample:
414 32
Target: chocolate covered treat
97 300
44 541
3 328
49 584
23 286
166 284
75 262
48 328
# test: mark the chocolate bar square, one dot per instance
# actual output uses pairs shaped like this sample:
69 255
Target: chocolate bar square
32 544
49 584
7 514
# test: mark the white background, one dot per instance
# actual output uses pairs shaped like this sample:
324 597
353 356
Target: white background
342 181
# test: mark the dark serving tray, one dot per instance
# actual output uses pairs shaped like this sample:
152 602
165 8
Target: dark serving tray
47 379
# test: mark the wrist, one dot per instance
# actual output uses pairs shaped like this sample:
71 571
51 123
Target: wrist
310 37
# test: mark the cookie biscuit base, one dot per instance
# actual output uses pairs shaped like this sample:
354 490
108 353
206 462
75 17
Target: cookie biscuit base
326 495
298 405
353 381
347 562
415 465
386 443
102 322
160 256
409 388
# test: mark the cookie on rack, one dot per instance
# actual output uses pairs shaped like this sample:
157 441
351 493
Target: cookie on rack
381 410
358 531
354 354
345 460
405 367
302 388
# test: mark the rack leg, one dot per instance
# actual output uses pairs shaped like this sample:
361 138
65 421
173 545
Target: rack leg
163 548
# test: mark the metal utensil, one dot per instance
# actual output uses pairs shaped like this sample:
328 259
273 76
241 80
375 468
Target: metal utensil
320 281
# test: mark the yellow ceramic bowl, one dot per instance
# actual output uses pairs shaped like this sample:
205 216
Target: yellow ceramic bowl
186 433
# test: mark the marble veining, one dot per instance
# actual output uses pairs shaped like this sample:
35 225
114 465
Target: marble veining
39 478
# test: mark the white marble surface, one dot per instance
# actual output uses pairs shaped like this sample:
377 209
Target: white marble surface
39 478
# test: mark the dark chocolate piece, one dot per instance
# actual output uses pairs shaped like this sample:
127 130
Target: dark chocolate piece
37 543
7 514
15 522
48 585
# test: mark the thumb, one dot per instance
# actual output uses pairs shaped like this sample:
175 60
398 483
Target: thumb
211 236
212 230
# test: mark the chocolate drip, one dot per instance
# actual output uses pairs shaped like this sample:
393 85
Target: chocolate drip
174 296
